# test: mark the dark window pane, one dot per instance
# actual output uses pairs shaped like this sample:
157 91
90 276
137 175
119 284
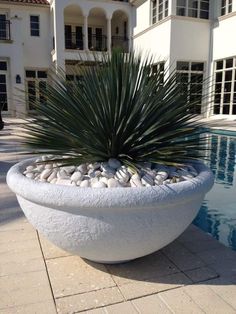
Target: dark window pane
227 98
219 77
204 5
234 109
29 73
34 18
180 11
217 109
42 74
193 4
192 13
218 88
184 66
204 14
70 77
181 3
3 66
226 109
229 63
196 78
219 65
3 88
197 66
228 76
217 98
227 87
2 78
223 11
34 32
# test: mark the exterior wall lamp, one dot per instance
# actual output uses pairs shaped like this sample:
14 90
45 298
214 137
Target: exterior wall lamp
18 79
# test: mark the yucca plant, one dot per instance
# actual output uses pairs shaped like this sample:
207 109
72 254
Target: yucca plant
120 110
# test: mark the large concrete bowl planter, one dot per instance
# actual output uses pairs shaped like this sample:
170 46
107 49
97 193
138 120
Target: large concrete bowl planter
110 225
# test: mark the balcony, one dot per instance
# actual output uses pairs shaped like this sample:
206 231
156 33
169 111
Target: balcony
5 31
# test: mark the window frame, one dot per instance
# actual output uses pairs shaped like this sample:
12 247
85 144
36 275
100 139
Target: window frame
223 91
5 72
160 14
189 72
37 81
228 7
38 23
199 11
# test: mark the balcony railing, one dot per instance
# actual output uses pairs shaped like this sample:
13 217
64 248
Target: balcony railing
120 42
97 42
5 31
74 41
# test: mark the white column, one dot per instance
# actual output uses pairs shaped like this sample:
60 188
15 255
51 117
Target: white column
85 38
59 36
109 34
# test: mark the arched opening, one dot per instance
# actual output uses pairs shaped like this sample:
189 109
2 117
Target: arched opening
120 30
97 30
74 33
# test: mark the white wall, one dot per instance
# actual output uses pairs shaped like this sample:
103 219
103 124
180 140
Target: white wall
25 51
224 38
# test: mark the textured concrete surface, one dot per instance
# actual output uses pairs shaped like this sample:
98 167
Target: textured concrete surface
194 274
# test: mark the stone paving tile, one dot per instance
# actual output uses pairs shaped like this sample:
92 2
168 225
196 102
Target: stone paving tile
227 268
201 274
50 250
208 300
47 307
138 289
19 247
182 257
180 303
20 223
125 307
217 255
144 268
22 289
200 246
90 300
24 234
151 305
72 275
224 289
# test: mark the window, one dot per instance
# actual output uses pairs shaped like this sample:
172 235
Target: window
159 10
36 84
191 76
226 7
4 27
3 86
225 86
193 8
34 25
159 69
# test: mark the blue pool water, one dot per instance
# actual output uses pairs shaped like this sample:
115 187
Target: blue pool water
217 215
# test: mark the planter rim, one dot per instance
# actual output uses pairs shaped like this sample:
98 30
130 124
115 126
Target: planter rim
62 196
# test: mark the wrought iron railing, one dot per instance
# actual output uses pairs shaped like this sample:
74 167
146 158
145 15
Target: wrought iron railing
120 42
5 30
74 41
97 42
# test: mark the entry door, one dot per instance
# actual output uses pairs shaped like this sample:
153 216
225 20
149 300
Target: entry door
3 86
68 37
79 37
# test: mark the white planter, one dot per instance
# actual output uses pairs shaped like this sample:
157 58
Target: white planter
110 225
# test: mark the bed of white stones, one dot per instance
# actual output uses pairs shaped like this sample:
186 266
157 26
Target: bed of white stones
109 174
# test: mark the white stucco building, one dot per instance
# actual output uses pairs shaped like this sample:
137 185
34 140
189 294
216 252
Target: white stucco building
195 37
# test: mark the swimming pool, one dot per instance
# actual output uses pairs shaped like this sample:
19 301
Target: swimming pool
217 215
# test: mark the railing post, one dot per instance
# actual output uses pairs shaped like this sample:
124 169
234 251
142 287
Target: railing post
85 38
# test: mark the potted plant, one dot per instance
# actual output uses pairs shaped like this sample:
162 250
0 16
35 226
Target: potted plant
119 177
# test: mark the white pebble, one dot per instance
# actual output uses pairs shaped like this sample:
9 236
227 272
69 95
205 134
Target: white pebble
112 183
94 166
62 174
99 185
45 174
54 181
82 168
52 176
29 168
85 184
30 175
76 176
147 180
163 174
122 174
63 182
135 182
104 180
48 166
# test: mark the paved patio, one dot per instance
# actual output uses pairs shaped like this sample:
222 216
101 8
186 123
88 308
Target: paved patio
195 274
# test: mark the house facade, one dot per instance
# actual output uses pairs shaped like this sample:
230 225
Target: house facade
194 37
